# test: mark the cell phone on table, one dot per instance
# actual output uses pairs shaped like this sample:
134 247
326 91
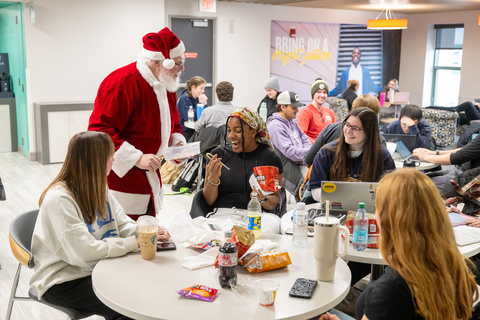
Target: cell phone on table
303 288
166 245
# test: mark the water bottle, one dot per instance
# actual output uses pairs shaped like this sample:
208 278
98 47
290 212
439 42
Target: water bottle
200 107
300 226
263 111
391 94
254 214
227 262
360 228
191 114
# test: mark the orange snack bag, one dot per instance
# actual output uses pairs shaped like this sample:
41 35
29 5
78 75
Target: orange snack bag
267 177
268 260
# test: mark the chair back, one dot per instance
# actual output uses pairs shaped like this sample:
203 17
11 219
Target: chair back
339 106
444 125
20 237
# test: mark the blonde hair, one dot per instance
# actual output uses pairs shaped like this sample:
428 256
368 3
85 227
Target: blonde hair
84 173
417 240
368 101
352 84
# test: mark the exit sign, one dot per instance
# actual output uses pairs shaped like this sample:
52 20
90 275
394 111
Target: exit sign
207 5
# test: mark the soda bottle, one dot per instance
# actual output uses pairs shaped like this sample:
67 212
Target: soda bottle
191 114
300 226
227 261
360 228
254 214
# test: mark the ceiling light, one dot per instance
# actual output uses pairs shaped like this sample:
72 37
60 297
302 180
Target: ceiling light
389 23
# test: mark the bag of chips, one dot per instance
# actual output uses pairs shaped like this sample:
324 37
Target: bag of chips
267 177
268 260
199 292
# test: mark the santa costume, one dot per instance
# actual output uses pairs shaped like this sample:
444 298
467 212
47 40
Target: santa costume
136 110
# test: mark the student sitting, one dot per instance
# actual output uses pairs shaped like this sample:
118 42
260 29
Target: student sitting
332 131
427 277
314 117
289 140
411 122
80 223
350 93
226 189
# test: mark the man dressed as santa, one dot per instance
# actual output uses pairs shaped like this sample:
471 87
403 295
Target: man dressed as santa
136 106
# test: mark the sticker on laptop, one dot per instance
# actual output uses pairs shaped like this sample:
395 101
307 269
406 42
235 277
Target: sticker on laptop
329 187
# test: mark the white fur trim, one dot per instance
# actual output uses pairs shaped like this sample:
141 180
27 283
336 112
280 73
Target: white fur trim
161 93
157 190
152 55
125 158
132 203
177 51
168 63
176 138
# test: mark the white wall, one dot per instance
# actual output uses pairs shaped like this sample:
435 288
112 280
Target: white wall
74 44
417 55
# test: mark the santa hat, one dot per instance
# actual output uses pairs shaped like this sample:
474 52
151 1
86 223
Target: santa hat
163 45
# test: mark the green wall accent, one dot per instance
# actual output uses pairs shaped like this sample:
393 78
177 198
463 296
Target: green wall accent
12 41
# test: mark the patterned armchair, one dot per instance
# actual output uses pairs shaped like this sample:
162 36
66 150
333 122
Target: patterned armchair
444 125
339 106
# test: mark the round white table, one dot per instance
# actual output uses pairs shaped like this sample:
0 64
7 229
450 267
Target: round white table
147 289
422 165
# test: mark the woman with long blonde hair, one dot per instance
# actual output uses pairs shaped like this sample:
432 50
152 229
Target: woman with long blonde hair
428 278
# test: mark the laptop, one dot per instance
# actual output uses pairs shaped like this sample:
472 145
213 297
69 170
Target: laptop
404 152
407 139
400 97
345 196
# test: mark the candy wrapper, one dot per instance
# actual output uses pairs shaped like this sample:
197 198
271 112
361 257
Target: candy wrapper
199 292
243 239
266 261
267 178
206 245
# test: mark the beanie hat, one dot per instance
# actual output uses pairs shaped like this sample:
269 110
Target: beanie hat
273 84
163 45
319 84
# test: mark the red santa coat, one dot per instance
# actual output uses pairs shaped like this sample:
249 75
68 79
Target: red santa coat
136 110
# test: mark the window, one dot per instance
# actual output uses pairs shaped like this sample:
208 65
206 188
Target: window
447 64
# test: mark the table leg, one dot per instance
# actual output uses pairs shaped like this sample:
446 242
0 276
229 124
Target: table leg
377 271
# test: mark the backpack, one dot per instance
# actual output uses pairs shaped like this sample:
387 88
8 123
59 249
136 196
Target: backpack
189 174
304 185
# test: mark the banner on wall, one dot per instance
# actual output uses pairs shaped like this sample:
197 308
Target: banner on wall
301 52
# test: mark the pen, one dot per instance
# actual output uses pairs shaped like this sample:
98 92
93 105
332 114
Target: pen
209 156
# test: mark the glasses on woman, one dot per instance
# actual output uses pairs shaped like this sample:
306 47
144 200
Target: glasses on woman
355 129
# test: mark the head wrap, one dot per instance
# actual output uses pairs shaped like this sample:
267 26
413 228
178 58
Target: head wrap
254 121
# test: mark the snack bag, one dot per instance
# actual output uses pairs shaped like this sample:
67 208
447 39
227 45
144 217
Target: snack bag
199 292
268 260
267 177
243 239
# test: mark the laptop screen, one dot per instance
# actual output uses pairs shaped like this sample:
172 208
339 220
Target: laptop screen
403 150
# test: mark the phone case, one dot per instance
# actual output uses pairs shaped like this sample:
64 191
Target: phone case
303 288
166 245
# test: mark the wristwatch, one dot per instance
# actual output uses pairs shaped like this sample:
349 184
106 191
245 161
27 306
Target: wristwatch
438 152
264 199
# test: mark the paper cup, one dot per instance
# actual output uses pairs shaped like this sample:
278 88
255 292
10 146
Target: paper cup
267 290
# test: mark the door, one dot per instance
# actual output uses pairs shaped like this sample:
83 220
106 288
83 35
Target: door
12 42
197 35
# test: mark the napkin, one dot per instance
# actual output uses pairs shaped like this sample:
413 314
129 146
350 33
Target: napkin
203 260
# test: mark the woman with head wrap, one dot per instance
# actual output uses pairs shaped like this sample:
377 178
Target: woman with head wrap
249 147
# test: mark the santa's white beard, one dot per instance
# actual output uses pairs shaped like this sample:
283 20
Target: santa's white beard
170 83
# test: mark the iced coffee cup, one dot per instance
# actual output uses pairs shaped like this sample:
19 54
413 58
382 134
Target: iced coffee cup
147 235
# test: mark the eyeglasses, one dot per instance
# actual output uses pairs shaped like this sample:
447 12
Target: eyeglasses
349 126
178 65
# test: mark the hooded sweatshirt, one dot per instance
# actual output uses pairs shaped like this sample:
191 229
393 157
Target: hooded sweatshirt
288 138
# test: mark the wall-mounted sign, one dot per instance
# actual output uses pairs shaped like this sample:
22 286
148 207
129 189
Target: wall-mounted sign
207 5
191 55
